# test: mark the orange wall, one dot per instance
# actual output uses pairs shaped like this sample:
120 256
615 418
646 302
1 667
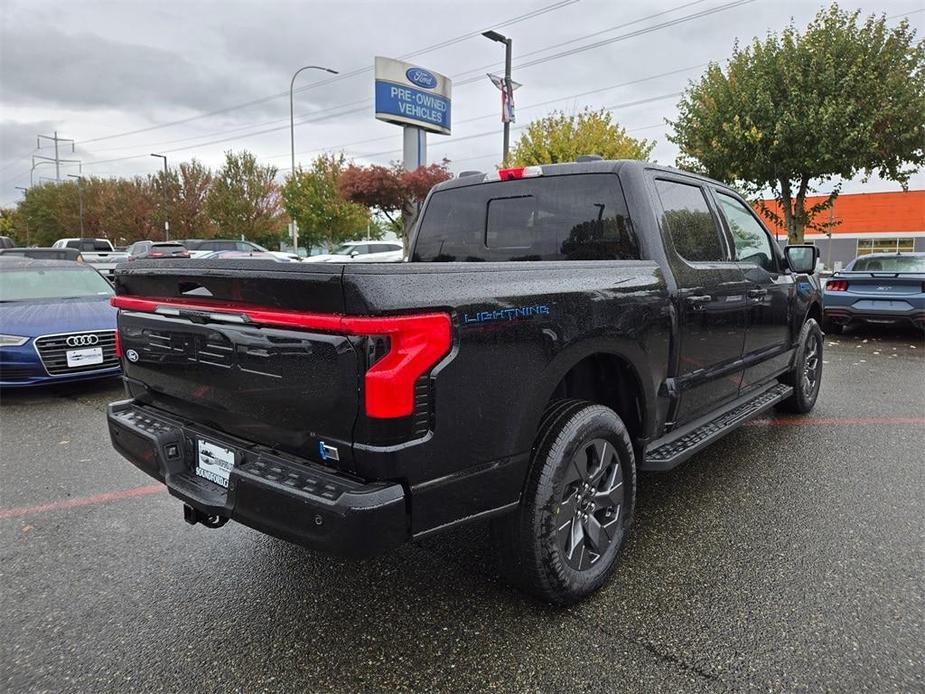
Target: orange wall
887 213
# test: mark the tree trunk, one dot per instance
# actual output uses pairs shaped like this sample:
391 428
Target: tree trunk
793 211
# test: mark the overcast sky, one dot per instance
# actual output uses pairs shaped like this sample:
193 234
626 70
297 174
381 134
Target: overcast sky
196 78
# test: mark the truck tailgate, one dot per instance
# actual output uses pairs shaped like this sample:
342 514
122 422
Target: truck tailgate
281 386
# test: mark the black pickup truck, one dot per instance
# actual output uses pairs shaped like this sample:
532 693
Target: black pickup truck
556 330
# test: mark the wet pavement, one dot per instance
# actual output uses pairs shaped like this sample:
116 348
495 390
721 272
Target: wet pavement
788 556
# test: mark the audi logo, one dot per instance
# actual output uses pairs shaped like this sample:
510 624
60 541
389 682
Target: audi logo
82 340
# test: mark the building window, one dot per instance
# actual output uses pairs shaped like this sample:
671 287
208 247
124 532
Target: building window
893 245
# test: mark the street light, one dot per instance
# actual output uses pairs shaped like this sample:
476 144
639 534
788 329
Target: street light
80 194
166 222
495 36
295 226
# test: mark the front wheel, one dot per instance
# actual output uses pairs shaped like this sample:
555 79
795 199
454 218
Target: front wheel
806 374
564 540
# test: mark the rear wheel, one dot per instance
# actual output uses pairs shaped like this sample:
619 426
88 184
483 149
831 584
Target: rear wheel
806 375
564 540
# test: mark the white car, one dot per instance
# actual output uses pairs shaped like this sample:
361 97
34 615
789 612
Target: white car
362 252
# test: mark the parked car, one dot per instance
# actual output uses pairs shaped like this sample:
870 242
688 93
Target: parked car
157 249
56 323
362 251
100 253
201 247
557 329
884 288
6 242
71 254
259 255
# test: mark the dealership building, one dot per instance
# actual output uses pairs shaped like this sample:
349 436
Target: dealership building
863 223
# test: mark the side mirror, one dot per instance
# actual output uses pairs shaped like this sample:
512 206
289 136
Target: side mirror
802 259
354 253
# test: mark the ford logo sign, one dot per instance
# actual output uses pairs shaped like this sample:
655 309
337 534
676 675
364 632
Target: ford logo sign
421 77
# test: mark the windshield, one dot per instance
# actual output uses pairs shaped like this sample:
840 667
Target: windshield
894 263
52 283
343 249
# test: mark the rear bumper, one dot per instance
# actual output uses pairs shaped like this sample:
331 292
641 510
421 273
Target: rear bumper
296 500
846 314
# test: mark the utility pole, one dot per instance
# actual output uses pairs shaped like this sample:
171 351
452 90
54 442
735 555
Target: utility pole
51 160
294 227
56 140
166 222
508 84
80 195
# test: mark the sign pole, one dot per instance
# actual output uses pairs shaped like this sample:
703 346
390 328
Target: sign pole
414 148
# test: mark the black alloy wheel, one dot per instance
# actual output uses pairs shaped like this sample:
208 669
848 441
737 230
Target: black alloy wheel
563 541
589 511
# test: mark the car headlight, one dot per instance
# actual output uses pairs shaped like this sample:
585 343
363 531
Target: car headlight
12 340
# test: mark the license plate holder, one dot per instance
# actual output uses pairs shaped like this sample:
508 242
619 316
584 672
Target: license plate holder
214 462
84 357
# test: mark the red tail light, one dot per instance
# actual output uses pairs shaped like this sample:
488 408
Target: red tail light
837 285
416 343
155 254
118 345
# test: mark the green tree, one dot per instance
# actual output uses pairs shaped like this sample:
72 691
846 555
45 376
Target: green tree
796 110
559 137
13 226
245 199
179 196
312 198
51 211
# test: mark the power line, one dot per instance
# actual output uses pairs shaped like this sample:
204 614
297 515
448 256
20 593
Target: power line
538 61
342 76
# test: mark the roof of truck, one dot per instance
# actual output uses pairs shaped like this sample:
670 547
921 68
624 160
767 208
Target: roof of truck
579 167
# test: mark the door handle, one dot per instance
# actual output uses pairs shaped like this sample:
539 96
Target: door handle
757 293
699 299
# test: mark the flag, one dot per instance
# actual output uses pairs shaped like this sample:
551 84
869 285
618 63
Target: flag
507 97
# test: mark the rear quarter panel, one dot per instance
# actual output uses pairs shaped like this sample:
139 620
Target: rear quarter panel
518 328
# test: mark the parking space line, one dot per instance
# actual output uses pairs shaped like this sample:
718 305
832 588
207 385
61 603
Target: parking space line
18 511
826 421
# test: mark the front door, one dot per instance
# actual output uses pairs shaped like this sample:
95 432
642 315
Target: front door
710 299
768 341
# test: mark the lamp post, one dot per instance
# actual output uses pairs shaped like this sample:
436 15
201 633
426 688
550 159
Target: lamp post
80 194
166 222
508 43
294 228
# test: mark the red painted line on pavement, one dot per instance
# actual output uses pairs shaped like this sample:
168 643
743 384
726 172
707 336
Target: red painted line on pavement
821 421
106 497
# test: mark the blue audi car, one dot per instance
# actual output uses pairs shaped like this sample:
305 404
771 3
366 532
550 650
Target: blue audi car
877 288
56 323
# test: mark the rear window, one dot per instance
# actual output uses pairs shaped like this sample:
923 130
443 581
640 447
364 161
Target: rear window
575 217
167 247
899 263
89 245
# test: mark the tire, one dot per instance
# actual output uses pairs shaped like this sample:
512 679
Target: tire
806 375
562 561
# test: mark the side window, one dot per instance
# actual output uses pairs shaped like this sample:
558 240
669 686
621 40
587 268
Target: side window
752 243
362 249
689 221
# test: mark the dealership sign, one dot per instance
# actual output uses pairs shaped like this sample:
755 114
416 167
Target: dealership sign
410 95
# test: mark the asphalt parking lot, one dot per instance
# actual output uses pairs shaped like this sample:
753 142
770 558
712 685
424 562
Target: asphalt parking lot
789 556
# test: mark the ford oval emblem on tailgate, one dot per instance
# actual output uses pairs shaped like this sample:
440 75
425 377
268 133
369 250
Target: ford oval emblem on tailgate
421 77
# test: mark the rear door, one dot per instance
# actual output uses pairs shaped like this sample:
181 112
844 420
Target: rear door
768 341
711 300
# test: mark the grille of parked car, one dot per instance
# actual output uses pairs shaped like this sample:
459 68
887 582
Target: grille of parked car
53 350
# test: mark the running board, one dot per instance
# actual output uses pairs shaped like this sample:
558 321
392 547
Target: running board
678 446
